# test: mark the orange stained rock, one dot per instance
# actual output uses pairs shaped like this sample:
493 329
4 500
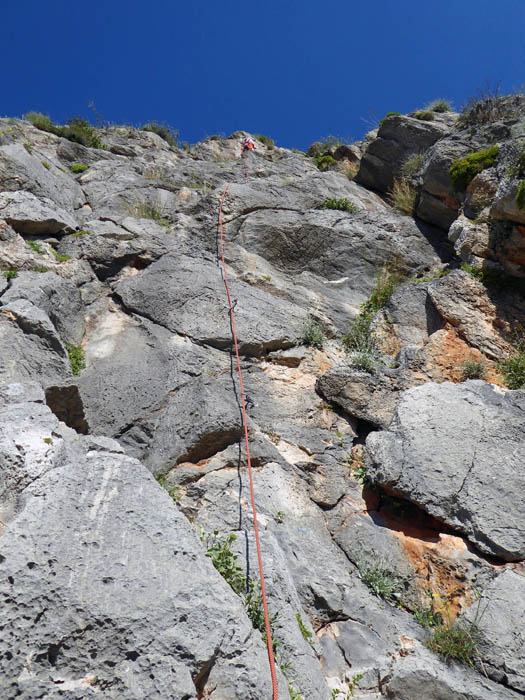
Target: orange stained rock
446 353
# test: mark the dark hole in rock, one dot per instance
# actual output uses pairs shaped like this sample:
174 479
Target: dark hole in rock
31 564
52 653
66 404
11 580
363 429
132 655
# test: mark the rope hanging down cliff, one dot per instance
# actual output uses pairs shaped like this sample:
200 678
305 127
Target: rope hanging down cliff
269 644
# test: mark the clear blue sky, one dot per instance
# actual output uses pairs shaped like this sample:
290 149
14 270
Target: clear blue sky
295 70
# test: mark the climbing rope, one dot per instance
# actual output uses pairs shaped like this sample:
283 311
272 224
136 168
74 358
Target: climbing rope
269 643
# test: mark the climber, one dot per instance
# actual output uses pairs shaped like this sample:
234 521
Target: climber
247 144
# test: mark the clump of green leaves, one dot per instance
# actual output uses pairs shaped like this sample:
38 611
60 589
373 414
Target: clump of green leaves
339 204
35 247
352 685
358 468
520 195
224 560
165 131
312 334
427 617
266 140
360 335
439 105
463 170
412 164
82 232
389 114
76 358
513 366
59 256
473 369
46 164
364 360
380 580
48 440
10 274
458 641
387 281
425 115
78 130
78 167
324 162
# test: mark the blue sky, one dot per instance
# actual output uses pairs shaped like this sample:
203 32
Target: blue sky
295 70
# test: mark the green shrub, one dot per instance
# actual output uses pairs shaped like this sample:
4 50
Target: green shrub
389 114
40 121
165 131
381 581
313 334
79 167
458 641
520 195
513 370
403 196
78 130
439 105
387 281
463 170
412 164
307 635
76 358
473 369
35 247
360 336
225 560
364 360
324 162
339 204
46 164
425 115
10 274
265 140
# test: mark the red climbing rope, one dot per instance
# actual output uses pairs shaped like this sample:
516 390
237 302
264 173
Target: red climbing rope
248 459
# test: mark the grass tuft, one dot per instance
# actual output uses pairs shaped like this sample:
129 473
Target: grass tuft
339 204
312 334
458 641
165 131
403 196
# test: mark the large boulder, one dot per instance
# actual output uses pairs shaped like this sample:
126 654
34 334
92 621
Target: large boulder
103 579
28 214
440 451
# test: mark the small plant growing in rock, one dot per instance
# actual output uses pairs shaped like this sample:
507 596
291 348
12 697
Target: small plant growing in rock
339 204
143 210
403 196
425 115
312 334
265 140
426 617
279 517
388 280
174 490
35 247
358 468
380 580
363 360
307 635
389 114
458 641
79 168
59 256
324 162
46 164
439 105
82 232
76 358
10 274
464 170
338 694
473 369
48 440
225 560
412 164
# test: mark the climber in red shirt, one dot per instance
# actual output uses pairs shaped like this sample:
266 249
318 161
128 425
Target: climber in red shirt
247 145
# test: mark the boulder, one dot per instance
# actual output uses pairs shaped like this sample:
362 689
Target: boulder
440 451
28 214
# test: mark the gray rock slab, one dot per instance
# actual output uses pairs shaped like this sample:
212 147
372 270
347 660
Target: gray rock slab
440 453
57 296
28 214
96 516
21 170
187 296
499 616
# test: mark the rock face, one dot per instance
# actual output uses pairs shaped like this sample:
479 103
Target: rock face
475 426
379 504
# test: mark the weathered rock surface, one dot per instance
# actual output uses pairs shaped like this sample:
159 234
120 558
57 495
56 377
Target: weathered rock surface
28 214
475 426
